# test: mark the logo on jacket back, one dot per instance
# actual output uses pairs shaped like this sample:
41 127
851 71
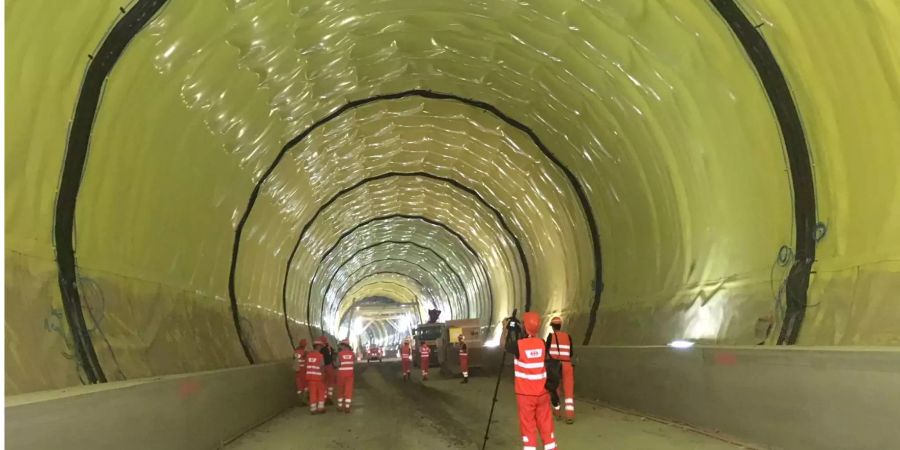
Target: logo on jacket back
536 353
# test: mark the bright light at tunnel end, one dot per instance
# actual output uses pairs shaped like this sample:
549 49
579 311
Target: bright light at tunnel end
679 343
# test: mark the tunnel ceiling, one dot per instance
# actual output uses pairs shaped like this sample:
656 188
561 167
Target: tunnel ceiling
201 184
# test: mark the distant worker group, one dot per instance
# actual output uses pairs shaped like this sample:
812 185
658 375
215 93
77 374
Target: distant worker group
544 374
318 372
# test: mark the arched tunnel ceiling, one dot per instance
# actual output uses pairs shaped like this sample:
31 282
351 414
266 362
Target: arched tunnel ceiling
427 197
382 240
122 239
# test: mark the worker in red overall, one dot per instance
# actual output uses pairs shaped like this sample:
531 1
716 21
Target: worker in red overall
559 347
300 367
424 356
530 378
314 379
463 358
345 359
328 356
406 358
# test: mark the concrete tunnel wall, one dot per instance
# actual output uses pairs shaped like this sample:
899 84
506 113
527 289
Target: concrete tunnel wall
650 170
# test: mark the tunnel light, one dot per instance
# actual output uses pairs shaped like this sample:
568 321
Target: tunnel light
358 326
494 341
404 323
681 344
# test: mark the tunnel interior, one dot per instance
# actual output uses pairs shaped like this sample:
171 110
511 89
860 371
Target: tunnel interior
198 185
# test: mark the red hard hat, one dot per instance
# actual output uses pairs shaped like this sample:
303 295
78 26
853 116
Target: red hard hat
556 320
322 340
302 343
345 342
531 321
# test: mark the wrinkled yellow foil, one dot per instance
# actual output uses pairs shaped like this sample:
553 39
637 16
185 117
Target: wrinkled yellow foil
653 105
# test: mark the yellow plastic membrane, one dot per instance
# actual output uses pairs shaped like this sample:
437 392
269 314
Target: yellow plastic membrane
843 66
382 239
652 104
457 209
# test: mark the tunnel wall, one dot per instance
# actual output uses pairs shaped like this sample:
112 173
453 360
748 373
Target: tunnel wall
193 411
783 398
655 107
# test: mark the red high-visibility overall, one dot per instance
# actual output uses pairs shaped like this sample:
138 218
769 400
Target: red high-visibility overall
464 359
346 358
424 356
300 365
561 349
330 371
406 358
533 400
314 361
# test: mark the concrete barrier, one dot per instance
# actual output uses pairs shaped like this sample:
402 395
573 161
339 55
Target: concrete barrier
191 411
785 398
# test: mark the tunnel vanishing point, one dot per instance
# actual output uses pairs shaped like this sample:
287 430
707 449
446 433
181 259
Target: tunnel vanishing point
193 186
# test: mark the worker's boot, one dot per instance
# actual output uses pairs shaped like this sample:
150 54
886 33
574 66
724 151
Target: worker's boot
570 420
465 380
347 410
425 378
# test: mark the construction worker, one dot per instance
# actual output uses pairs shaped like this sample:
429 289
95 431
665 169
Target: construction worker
406 358
300 367
424 356
330 375
530 381
345 358
559 347
463 358
314 378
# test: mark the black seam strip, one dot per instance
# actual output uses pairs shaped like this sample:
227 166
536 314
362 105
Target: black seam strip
587 210
457 235
456 184
779 94
459 280
99 68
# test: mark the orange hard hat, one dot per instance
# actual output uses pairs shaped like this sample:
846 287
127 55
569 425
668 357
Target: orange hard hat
531 321
556 320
